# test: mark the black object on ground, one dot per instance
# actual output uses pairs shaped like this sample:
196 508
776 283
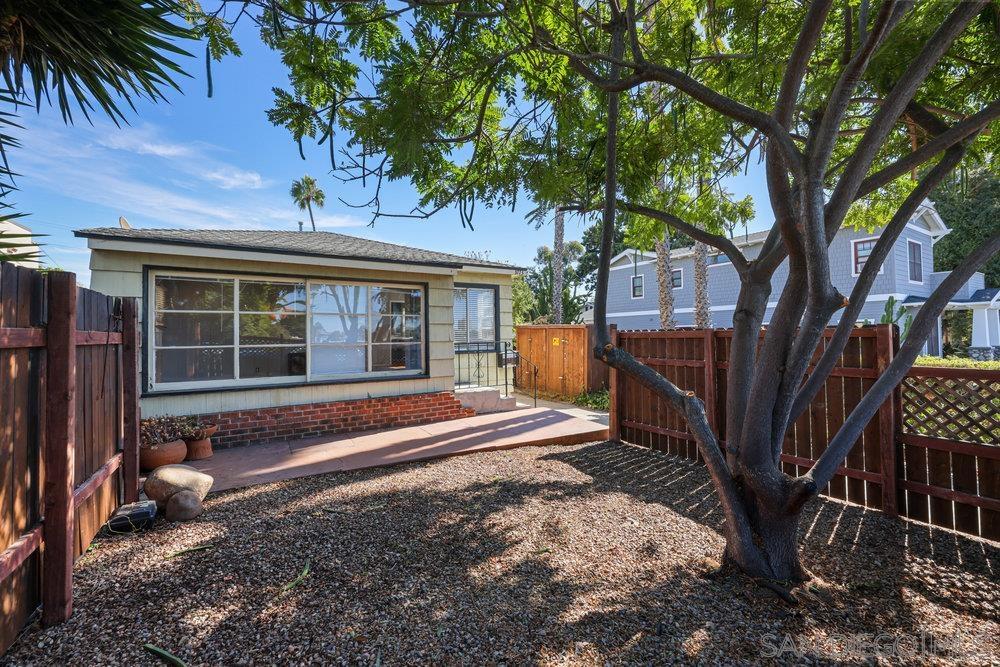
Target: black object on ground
133 517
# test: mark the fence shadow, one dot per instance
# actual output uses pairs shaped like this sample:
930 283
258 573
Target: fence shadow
862 552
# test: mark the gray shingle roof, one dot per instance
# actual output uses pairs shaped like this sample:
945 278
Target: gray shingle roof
316 244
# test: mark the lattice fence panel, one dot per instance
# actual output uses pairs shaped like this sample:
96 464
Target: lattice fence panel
963 409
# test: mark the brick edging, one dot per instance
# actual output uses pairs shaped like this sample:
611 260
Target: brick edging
261 425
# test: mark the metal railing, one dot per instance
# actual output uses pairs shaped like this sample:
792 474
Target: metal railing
494 364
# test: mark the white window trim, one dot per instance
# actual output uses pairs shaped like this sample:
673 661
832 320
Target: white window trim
642 286
724 262
853 259
149 309
909 277
672 272
492 289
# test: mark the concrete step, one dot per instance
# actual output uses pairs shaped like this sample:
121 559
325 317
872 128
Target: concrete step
485 400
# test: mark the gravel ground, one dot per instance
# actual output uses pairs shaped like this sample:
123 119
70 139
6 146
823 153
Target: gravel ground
551 555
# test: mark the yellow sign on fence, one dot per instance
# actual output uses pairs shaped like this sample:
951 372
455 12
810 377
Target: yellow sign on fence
555 342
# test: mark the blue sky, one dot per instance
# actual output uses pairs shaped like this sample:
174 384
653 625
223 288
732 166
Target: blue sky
200 162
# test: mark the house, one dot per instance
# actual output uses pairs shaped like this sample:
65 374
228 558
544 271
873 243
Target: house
279 334
907 276
14 233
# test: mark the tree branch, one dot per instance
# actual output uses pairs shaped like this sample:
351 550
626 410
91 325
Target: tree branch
889 112
951 136
826 466
863 285
717 241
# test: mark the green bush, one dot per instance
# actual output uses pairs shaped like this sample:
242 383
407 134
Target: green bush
957 362
595 400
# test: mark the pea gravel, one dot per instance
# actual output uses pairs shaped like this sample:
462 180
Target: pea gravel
589 554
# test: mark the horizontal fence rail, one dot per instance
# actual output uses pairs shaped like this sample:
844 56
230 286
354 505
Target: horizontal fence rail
930 453
68 378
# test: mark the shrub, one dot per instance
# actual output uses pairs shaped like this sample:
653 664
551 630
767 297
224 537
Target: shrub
595 400
956 362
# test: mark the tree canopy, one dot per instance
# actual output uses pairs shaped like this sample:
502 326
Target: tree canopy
852 111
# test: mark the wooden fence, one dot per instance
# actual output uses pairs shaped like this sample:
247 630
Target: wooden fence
930 453
68 434
564 357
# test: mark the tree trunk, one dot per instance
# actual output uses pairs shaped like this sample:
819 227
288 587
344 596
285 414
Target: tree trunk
557 268
702 304
664 280
311 218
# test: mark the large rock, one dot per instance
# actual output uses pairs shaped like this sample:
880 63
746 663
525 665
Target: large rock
165 481
184 506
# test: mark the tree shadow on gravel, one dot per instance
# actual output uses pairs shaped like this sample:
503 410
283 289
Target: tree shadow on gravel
872 566
397 575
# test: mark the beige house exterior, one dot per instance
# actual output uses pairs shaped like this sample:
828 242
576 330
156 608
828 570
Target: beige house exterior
137 263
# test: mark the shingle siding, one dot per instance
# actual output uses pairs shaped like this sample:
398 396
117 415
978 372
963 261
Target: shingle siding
724 283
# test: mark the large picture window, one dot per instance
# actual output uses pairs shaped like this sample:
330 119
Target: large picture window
474 318
234 330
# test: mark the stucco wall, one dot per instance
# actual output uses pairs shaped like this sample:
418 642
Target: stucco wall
121 274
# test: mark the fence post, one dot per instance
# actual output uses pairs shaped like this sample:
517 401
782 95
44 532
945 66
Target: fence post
710 379
130 398
888 445
614 428
59 455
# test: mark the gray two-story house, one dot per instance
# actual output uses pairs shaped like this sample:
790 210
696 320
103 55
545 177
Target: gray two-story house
906 275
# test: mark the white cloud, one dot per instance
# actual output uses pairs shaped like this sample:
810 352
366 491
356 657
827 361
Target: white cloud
233 178
174 190
141 142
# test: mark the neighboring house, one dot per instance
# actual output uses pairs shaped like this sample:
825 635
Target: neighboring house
240 326
9 227
906 275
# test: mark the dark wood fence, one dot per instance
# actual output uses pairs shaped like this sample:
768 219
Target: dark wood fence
68 434
930 453
564 357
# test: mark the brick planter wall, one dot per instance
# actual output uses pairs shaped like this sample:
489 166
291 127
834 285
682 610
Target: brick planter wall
300 421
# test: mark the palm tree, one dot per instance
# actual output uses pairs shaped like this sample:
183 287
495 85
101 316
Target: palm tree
305 192
558 257
664 281
702 304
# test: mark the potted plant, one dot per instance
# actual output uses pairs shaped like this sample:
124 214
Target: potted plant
160 442
198 437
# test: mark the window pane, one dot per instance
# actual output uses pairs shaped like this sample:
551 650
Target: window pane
636 286
395 301
193 293
193 329
460 327
396 357
272 329
269 362
338 298
187 365
481 315
676 278
338 360
339 329
257 296
398 329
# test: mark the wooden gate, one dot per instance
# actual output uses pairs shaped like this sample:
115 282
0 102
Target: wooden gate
69 433
931 452
564 357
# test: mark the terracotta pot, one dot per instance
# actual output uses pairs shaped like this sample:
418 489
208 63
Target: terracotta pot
162 454
199 449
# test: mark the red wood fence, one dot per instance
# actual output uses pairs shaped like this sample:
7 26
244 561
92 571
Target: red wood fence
68 434
930 453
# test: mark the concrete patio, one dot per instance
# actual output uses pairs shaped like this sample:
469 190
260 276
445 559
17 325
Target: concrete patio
259 464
